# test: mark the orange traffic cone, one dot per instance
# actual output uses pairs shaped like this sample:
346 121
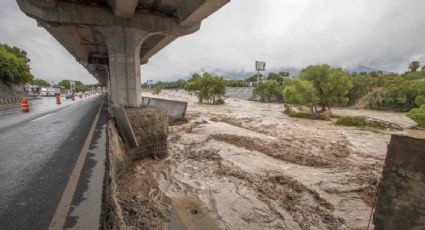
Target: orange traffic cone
24 105
58 99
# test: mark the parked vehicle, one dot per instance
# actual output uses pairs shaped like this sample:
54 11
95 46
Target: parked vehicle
58 91
43 92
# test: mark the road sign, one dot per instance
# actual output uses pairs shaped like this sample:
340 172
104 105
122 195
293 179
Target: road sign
260 65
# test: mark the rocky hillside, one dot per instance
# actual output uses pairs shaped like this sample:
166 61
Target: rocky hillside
7 91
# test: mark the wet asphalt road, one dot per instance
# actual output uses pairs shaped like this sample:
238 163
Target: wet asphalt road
37 154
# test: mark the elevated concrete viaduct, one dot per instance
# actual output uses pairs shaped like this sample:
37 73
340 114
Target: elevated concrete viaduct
112 38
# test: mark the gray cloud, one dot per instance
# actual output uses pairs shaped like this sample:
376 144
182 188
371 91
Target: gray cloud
385 34
49 60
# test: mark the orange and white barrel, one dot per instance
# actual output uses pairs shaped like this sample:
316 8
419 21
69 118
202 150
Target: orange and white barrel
24 105
58 99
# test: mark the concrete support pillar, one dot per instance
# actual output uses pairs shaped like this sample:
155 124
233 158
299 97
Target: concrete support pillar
124 64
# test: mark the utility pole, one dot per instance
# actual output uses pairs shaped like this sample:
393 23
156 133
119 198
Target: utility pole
258 76
72 87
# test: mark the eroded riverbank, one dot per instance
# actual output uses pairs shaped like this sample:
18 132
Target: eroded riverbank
255 168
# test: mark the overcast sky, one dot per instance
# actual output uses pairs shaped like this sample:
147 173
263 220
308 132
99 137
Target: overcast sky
385 34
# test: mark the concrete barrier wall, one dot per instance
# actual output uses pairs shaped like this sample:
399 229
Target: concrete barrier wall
145 100
9 101
401 200
175 109
242 93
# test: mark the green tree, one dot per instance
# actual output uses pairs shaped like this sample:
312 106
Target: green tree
301 92
276 76
65 84
332 84
157 89
19 53
254 78
283 73
362 84
179 84
267 91
401 93
42 82
237 83
209 89
414 66
14 68
79 86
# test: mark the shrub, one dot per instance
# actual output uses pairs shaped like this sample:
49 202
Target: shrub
420 100
418 115
352 121
267 91
304 115
209 89
366 122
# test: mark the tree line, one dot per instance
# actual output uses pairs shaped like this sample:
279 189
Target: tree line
321 87
15 69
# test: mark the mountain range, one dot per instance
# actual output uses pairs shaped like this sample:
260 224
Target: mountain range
243 74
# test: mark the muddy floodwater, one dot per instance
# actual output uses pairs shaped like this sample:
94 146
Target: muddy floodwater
253 167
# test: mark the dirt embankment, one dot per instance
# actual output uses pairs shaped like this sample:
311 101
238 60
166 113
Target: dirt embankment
255 168
133 200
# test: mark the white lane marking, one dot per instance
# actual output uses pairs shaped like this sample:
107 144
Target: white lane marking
42 117
59 218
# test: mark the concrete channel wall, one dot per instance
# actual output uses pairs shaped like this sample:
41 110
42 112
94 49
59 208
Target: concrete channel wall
242 93
175 109
401 200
